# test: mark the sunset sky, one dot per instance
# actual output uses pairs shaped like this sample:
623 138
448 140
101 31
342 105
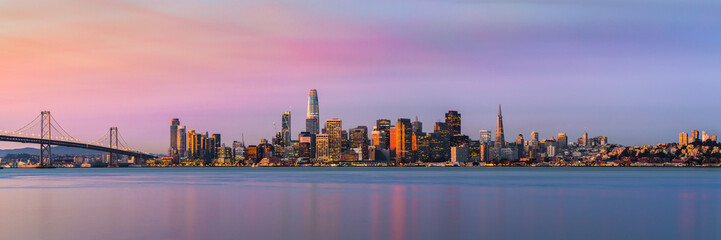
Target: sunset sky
637 71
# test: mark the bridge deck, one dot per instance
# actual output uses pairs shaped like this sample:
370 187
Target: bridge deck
7 138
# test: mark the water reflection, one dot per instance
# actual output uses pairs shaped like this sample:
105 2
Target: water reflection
359 204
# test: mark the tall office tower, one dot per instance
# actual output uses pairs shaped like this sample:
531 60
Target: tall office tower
714 138
238 152
440 143
174 124
182 141
585 138
704 136
378 139
519 140
307 145
384 126
562 140
500 137
486 137
334 126
191 144
683 139
417 126
421 147
359 139
695 138
453 120
312 124
401 142
322 147
286 129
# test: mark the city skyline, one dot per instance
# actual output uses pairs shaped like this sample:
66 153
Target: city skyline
233 68
472 133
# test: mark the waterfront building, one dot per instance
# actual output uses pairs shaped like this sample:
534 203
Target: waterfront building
312 124
286 129
307 145
384 126
453 120
344 141
378 139
182 142
440 143
323 148
459 154
238 152
500 137
173 150
333 127
401 142
359 139
421 147
483 153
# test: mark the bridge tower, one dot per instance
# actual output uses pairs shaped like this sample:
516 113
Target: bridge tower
114 145
46 158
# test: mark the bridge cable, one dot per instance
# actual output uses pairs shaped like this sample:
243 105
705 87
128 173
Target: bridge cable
31 123
61 127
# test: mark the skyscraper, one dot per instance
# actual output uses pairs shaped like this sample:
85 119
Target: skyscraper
311 120
585 138
307 145
334 128
440 143
453 120
322 149
562 140
421 146
182 141
379 139
401 141
286 129
384 126
486 137
192 144
359 139
500 137
174 124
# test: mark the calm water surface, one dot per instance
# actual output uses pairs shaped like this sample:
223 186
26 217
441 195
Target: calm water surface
361 203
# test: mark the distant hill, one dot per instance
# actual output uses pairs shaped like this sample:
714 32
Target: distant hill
56 150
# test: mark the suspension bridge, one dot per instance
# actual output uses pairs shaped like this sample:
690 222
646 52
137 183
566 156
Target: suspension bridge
52 134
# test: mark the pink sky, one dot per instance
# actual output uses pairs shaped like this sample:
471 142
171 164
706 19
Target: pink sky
232 67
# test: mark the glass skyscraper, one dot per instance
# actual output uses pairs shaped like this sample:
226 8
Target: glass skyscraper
311 120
